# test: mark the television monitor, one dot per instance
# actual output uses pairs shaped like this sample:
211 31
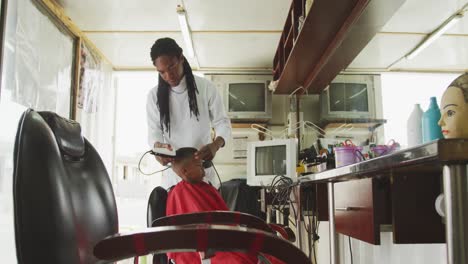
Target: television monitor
270 158
349 97
245 97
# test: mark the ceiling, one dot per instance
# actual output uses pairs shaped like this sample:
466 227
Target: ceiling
243 35
406 29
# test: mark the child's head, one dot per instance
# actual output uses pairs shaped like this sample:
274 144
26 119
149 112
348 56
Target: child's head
188 168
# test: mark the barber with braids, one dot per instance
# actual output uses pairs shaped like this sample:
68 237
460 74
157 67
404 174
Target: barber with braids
182 109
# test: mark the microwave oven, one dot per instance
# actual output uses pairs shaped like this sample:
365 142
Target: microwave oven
349 97
245 97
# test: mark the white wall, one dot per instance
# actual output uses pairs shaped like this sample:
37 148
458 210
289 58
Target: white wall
386 253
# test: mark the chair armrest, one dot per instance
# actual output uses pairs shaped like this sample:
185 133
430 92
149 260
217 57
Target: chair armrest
215 217
201 238
285 231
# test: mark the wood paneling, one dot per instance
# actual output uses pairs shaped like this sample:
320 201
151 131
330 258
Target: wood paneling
415 219
361 206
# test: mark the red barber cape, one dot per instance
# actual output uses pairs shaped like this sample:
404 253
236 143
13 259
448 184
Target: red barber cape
187 198
201 197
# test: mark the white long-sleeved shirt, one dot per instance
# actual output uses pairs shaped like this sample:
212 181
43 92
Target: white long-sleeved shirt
186 130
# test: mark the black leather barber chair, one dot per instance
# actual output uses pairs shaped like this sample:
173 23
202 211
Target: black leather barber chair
63 198
155 210
65 210
241 197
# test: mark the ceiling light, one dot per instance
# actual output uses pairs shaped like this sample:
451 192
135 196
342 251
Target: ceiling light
434 35
185 31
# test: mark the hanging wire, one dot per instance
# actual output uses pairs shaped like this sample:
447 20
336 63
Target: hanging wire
280 189
148 174
299 88
262 129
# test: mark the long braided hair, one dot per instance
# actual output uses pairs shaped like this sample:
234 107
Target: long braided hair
168 47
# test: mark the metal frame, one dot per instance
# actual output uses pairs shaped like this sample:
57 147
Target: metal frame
456 212
200 238
334 247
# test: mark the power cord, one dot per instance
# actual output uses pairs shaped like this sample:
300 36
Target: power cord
148 174
219 178
350 249
316 224
280 189
310 212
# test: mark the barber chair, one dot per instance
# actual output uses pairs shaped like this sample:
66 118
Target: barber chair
241 197
156 217
155 210
65 210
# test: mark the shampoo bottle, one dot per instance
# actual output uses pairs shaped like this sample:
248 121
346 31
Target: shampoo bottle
413 126
431 130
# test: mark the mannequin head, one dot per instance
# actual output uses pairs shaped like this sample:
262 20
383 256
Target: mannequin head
454 109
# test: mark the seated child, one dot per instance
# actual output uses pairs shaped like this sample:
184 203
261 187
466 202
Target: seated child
194 195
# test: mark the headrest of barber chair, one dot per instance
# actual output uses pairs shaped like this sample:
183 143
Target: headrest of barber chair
67 133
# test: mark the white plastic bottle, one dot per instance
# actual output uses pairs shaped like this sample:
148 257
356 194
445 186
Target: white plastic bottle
413 126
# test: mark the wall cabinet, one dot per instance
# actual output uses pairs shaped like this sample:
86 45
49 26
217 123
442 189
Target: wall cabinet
404 198
317 44
361 206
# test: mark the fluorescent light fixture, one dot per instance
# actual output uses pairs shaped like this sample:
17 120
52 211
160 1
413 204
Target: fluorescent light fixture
185 31
434 35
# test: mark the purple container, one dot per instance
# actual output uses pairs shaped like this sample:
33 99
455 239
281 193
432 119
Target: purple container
347 155
381 150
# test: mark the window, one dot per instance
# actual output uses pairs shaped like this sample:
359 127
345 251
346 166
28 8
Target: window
37 72
400 91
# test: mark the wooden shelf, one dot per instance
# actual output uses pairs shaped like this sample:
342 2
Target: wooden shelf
370 124
289 38
248 124
288 44
333 34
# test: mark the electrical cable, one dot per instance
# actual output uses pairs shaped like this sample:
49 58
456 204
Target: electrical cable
219 178
307 228
311 223
148 174
168 167
294 211
314 235
280 188
310 239
350 249
316 223
315 254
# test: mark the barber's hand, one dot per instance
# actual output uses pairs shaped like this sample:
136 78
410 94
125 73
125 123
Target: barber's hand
163 160
207 152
